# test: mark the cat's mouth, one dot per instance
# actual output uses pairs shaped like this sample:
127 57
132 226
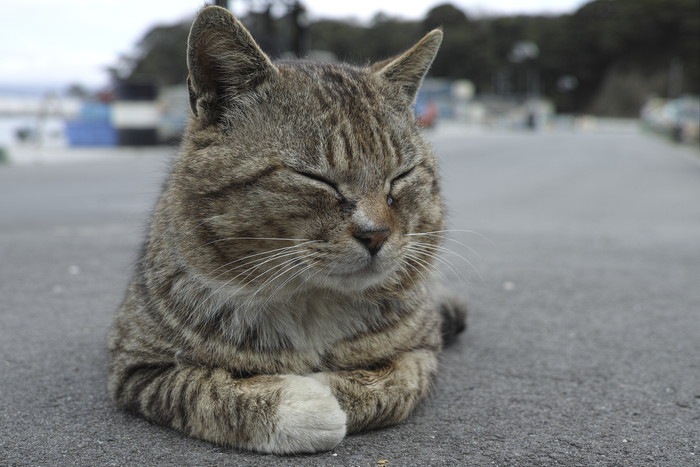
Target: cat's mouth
363 272
356 278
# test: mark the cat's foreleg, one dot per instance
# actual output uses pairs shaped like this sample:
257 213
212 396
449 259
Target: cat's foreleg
386 395
282 414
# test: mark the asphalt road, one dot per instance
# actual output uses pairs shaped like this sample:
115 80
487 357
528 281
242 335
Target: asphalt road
584 283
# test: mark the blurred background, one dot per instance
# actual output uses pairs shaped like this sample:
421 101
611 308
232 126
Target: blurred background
91 74
567 132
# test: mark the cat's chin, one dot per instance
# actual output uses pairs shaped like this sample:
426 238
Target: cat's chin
357 281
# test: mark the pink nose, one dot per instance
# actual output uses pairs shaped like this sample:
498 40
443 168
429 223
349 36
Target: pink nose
373 239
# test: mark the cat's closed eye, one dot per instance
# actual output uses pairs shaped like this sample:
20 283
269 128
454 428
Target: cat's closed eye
317 178
391 197
323 180
402 175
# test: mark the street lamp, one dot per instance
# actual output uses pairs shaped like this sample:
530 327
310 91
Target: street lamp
524 52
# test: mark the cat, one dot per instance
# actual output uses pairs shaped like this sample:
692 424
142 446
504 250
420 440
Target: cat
283 296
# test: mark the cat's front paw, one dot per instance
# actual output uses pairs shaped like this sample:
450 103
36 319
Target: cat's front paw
309 418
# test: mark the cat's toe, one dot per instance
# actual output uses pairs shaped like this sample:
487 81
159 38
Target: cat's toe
309 418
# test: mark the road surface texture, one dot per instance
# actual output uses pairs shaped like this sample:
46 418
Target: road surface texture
583 346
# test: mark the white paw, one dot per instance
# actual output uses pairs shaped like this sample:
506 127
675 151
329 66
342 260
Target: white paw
309 418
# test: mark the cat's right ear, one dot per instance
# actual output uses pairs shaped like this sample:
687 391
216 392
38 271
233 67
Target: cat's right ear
406 72
224 62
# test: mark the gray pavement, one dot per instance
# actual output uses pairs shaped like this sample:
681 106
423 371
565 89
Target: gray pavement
584 283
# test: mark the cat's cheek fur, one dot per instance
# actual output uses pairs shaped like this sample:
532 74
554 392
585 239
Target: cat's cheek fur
309 418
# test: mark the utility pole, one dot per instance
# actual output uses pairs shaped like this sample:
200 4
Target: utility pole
300 28
675 79
265 27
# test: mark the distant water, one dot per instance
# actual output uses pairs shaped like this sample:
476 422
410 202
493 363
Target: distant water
48 131
31 90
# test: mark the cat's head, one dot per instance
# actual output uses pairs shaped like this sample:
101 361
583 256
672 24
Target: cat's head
297 174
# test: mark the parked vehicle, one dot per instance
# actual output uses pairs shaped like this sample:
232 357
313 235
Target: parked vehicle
678 119
427 113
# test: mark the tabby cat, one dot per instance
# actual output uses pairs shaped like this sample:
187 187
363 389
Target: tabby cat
282 298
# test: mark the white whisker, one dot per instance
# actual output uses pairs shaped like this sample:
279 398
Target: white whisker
442 249
258 265
287 281
439 259
422 262
473 232
282 269
443 237
446 251
226 239
264 238
279 254
418 271
276 254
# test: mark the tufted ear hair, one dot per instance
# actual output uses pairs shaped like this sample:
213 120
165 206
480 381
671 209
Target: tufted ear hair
224 62
408 69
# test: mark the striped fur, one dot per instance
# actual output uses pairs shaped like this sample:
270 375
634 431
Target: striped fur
279 301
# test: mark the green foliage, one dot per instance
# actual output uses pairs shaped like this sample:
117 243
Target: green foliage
343 39
445 15
162 55
634 38
359 44
608 45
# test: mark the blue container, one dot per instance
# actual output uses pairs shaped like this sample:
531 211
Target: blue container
95 112
83 133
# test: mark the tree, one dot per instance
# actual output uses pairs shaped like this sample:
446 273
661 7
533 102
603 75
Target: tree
617 51
161 56
444 15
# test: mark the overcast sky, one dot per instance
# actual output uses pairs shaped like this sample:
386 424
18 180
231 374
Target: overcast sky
57 42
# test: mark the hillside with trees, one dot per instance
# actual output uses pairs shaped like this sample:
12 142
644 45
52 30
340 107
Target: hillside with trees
605 58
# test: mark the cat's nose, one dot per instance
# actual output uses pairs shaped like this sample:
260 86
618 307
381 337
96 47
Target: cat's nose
372 239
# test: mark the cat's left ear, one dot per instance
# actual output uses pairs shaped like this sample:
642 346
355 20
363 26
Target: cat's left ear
408 70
